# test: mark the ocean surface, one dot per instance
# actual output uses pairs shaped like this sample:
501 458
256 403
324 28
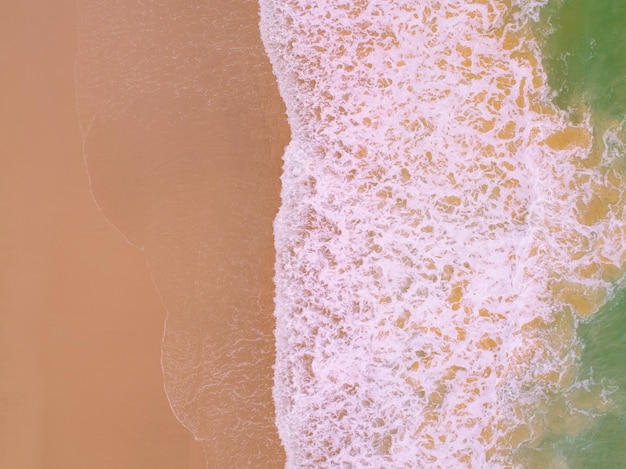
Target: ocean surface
451 241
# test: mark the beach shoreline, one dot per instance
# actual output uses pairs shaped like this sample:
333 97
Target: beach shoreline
82 320
184 131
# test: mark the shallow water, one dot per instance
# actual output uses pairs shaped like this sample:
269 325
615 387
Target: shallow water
584 54
604 339
583 50
444 229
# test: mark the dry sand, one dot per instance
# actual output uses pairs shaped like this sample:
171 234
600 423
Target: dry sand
80 318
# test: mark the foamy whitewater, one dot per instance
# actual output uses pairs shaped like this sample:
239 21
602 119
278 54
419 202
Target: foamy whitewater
443 229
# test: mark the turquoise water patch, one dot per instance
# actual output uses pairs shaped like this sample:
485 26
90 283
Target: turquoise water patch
585 54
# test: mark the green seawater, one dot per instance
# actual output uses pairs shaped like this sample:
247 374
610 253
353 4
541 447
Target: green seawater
603 445
585 54
584 50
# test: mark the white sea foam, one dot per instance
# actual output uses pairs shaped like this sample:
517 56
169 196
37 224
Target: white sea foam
442 228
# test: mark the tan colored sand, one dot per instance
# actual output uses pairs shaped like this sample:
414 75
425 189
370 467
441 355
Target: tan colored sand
80 320
184 132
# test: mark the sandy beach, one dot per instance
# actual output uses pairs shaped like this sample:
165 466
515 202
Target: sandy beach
191 177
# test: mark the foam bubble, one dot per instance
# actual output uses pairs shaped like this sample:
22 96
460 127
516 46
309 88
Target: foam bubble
442 230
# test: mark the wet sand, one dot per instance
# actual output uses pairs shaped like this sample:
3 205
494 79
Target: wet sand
184 131
80 319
